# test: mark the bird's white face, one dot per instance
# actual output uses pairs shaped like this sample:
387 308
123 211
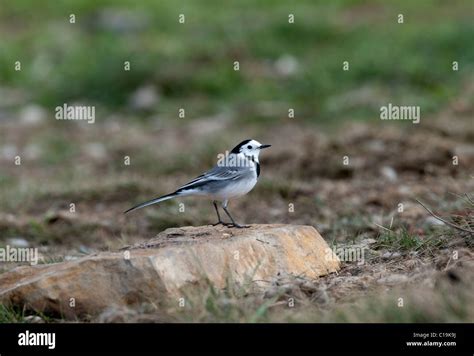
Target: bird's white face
252 149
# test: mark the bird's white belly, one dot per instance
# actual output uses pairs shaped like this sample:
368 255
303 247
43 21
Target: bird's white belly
235 189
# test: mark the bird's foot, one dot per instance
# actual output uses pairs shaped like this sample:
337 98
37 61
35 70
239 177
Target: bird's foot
238 226
221 223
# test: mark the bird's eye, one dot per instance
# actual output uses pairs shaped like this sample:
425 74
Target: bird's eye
249 147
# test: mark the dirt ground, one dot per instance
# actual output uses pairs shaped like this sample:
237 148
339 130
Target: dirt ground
368 203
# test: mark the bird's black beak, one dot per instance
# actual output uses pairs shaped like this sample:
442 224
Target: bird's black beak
264 146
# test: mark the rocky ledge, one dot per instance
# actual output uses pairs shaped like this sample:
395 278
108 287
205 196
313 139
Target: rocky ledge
174 260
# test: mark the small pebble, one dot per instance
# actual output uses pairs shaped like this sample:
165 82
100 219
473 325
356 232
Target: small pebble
389 173
33 319
393 279
431 220
389 255
18 242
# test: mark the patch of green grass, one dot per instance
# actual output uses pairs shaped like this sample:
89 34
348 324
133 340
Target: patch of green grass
403 241
16 315
10 315
192 63
46 260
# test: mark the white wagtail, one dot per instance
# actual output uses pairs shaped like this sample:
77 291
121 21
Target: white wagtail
234 175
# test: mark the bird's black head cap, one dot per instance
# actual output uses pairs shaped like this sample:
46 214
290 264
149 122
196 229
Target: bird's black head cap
236 149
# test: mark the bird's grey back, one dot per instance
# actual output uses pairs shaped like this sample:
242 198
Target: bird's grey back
219 176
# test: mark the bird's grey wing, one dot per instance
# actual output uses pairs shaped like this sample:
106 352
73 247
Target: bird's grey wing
218 173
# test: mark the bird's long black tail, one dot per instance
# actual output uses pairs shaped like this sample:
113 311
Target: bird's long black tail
153 201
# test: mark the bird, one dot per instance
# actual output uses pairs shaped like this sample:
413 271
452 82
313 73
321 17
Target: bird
235 174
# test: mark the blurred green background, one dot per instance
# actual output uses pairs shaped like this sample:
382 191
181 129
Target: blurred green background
281 64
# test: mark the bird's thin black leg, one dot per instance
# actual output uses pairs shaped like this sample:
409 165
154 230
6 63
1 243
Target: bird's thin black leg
232 219
219 222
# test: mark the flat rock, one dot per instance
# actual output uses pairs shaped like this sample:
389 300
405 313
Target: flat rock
163 267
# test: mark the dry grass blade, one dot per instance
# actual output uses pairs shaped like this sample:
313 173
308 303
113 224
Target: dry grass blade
443 220
469 199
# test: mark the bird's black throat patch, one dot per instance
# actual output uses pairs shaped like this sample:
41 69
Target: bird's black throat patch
257 164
